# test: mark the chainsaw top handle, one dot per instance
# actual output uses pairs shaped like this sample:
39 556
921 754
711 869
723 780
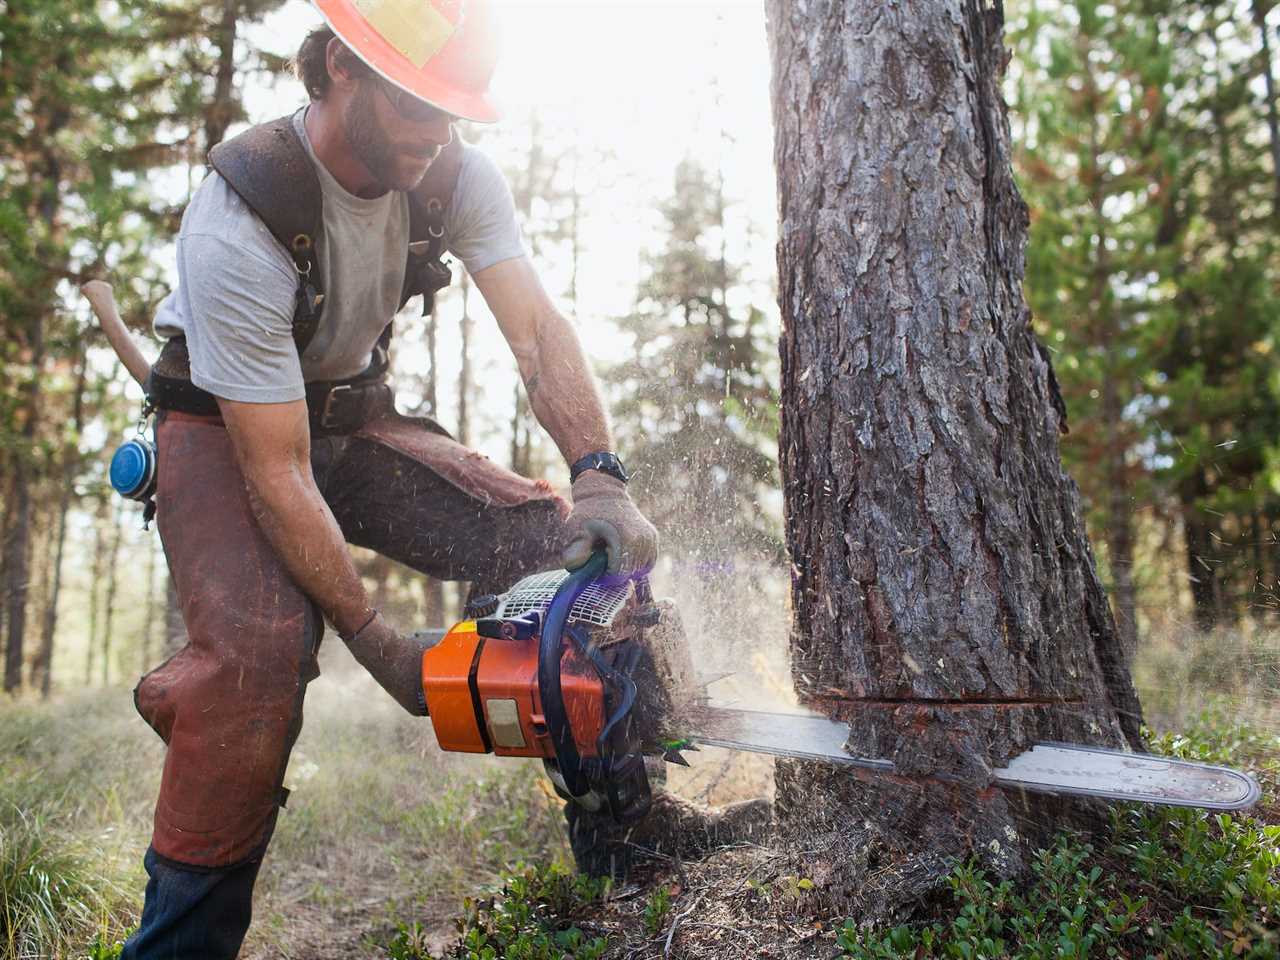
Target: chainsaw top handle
550 650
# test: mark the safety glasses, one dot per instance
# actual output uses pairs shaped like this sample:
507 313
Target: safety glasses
409 106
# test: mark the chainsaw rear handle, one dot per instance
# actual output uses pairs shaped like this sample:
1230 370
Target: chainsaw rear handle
550 650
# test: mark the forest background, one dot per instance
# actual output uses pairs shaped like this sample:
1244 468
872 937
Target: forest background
638 147
1147 138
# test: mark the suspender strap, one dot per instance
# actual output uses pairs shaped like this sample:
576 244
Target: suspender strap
424 272
268 167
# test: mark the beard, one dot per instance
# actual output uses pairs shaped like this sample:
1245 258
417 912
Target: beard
394 167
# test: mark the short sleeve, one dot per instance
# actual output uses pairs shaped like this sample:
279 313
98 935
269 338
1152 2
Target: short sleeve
239 332
481 221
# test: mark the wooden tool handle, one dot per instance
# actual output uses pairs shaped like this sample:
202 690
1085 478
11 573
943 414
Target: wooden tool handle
103 302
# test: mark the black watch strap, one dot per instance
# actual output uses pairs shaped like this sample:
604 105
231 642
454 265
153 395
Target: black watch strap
603 461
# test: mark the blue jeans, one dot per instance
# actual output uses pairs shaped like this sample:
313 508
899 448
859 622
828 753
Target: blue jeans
193 913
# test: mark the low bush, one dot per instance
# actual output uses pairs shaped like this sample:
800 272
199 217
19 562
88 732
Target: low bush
1164 882
531 918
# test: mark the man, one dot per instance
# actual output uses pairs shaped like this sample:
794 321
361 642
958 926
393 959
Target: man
268 467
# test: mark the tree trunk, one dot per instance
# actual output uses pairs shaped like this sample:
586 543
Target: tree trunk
1202 563
429 396
43 673
519 433
16 573
54 538
1259 10
1106 325
1120 519
17 548
113 582
465 385
945 597
222 108
95 591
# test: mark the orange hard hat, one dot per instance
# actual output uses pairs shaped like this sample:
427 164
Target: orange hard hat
440 51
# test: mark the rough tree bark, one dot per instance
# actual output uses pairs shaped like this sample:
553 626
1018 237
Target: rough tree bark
945 597
17 546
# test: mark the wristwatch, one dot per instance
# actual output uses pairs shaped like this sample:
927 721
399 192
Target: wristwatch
603 461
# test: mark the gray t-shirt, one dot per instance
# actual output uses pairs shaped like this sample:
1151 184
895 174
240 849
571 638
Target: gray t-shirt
236 283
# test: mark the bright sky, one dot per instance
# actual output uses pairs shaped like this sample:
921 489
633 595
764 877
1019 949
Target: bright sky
649 83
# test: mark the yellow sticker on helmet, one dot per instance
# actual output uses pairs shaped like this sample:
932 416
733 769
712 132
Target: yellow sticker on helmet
414 27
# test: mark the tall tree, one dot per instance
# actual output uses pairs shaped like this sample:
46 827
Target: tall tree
1094 113
1214 353
92 96
944 594
544 196
42 673
695 408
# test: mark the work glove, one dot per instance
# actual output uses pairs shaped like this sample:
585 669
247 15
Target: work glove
394 660
604 514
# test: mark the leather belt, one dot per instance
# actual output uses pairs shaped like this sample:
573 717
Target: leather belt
333 406
344 406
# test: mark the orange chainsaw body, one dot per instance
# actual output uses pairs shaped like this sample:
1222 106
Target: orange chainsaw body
482 695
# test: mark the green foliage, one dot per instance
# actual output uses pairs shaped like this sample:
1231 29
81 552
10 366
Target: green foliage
1153 275
529 919
656 909
100 949
94 99
51 890
1164 882
697 410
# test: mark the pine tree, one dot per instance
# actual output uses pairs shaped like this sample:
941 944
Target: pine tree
1214 356
1093 162
696 411
92 97
943 588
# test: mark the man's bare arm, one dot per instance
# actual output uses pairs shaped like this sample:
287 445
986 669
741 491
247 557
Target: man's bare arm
565 400
273 446
561 389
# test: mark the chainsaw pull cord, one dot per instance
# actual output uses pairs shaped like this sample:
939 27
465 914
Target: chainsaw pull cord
550 650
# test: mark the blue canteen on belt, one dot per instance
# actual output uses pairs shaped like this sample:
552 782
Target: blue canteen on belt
133 469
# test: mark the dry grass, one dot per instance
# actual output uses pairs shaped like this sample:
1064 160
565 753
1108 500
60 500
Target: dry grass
380 824
383 827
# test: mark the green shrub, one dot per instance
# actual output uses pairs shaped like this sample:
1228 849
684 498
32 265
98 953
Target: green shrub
656 910
530 919
1163 882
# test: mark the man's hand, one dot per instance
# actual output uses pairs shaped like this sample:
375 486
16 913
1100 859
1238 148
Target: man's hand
603 513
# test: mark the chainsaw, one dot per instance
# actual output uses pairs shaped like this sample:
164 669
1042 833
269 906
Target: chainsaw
594 676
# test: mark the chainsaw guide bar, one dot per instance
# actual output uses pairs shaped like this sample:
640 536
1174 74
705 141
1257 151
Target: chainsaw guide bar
1046 768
